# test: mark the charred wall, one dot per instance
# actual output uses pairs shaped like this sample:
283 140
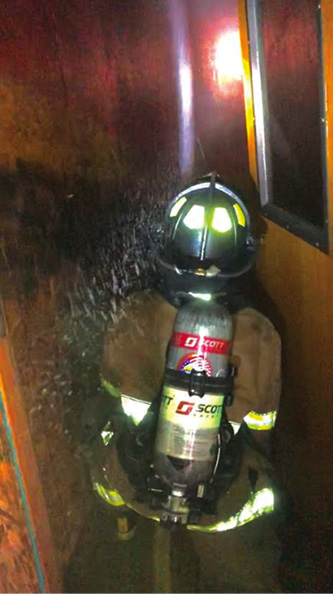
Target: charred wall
88 159
80 85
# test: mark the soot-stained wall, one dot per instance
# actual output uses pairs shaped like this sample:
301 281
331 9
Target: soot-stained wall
89 121
85 107
83 85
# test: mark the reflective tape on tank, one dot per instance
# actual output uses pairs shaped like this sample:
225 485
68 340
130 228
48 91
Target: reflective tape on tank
111 496
260 421
262 503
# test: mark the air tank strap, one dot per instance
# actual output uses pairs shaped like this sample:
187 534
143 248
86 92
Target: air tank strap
198 383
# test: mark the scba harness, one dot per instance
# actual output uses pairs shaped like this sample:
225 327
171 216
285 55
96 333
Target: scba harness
240 471
174 502
131 451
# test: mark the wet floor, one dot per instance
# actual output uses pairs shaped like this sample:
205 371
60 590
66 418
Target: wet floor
156 560
102 564
266 555
146 563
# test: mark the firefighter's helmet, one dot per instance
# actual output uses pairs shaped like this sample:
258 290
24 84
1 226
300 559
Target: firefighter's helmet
207 236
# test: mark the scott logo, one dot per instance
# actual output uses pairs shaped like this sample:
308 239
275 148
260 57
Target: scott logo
204 344
191 342
184 408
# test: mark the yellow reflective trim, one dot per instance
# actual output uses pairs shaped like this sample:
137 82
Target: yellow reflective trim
111 496
260 421
195 218
134 408
240 215
107 436
262 503
113 391
221 220
177 206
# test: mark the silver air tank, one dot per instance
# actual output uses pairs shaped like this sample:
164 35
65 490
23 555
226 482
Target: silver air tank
191 408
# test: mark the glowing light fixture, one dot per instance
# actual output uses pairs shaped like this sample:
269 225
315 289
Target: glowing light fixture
221 220
177 206
195 218
228 58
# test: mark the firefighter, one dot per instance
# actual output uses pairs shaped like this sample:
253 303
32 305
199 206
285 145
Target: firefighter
208 248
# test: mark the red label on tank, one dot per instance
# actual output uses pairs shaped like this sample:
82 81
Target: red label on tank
204 344
184 408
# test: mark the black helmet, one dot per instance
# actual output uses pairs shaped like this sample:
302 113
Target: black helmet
207 236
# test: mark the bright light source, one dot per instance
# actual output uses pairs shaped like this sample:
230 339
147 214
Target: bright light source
228 58
185 83
203 296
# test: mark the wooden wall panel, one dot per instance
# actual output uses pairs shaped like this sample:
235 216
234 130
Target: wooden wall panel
49 578
299 280
327 12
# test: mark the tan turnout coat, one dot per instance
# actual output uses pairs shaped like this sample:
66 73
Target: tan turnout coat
134 360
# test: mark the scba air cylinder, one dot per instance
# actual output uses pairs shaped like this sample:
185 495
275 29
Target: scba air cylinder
192 401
